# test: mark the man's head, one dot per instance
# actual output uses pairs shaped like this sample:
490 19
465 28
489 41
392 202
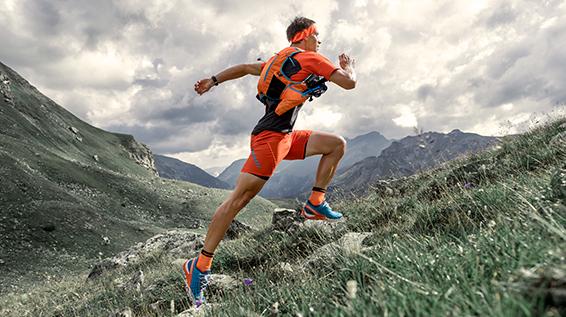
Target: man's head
302 33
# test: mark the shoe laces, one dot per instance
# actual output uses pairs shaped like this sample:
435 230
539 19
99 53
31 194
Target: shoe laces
204 281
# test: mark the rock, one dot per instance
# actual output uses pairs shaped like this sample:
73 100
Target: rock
221 282
105 240
178 262
95 157
124 313
79 138
160 306
285 267
327 251
286 220
135 283
74 130
2 261
48 228
548 283
139 152
285 270
349 244
174 244
237 229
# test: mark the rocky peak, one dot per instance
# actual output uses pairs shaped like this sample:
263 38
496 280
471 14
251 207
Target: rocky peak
139 152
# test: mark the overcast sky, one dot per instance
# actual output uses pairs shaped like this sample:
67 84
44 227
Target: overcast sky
129 66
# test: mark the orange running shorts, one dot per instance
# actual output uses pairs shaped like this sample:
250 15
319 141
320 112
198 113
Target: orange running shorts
269 148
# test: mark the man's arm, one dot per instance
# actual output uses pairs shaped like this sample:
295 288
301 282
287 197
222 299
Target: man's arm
345 77
230 73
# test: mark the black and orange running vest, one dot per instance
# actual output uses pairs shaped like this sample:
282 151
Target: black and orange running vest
282 97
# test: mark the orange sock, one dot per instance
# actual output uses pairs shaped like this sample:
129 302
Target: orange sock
204 261
316 198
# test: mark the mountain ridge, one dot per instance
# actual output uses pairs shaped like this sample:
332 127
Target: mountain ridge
68 188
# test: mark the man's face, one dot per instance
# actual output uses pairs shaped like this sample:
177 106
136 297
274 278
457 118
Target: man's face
312 43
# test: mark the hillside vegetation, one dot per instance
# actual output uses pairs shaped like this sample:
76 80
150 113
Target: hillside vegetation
71 193
483 236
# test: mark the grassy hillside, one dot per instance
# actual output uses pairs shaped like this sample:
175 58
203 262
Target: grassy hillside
71 193
468 238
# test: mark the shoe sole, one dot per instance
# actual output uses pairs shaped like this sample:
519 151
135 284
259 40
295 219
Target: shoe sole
307 216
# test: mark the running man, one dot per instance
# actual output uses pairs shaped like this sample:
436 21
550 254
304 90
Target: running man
283 90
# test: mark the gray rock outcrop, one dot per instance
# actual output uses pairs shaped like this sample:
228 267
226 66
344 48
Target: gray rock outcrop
139 152
174 244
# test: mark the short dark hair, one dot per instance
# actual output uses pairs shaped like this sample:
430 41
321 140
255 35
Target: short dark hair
297 25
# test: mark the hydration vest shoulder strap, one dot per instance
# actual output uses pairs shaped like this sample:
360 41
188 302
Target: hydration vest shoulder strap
273 68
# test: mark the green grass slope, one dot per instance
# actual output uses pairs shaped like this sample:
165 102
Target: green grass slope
66 185
455 241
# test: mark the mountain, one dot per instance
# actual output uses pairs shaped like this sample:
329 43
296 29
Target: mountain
215 171
411 155
173 168
362 146
231 173
70 192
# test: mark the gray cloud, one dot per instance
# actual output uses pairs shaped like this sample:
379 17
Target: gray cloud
130 67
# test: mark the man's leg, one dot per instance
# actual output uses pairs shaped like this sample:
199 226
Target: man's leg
332 148
197 270
247 187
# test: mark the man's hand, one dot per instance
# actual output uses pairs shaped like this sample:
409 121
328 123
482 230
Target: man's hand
346 62
346 76
203 85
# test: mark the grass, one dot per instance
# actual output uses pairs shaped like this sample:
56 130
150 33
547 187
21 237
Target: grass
448 242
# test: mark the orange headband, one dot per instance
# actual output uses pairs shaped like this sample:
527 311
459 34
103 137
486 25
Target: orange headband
304 34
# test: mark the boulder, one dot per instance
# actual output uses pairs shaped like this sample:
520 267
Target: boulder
350 244
547 283
174 244
237 229
221 282
139 152
286 220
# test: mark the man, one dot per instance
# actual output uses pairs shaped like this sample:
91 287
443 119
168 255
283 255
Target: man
282 89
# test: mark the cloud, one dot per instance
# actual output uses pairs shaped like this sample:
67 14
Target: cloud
129 66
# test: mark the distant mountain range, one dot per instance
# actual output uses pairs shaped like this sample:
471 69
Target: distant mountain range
215 171
411 155
291 178
231 173
173 168
368 158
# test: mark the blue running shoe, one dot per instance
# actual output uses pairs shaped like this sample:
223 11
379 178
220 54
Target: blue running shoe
195 281
320 212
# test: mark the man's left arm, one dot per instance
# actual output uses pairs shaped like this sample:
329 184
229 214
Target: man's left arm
231 73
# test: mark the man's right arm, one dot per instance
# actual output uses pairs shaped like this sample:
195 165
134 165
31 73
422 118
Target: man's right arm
346 76
230 73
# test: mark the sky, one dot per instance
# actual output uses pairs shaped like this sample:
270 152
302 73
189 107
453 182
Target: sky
488 67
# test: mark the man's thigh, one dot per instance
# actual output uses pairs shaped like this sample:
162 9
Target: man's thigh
248 184
322 143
